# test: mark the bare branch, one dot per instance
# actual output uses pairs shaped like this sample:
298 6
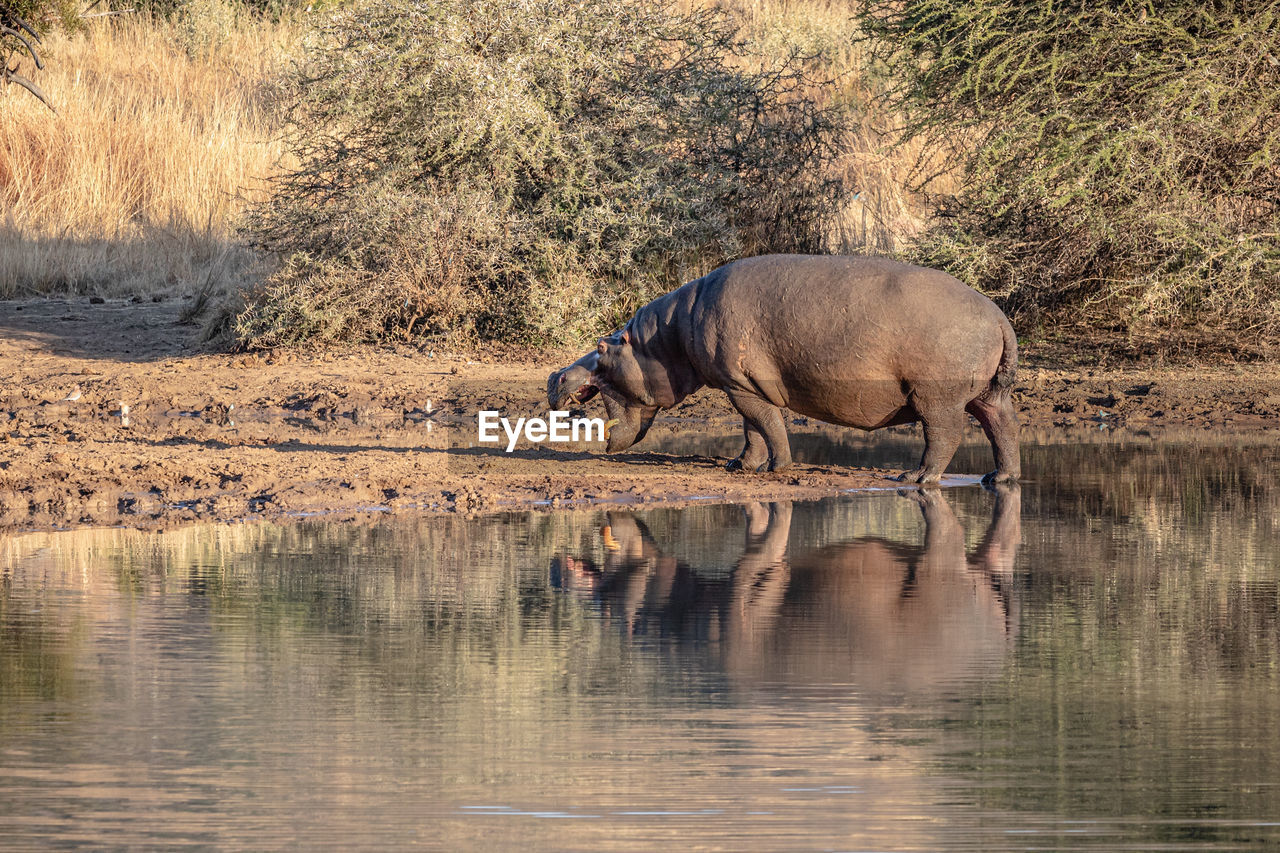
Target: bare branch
12 32
21 23
10 77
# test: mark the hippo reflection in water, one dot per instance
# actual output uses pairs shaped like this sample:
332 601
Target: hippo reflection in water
881 614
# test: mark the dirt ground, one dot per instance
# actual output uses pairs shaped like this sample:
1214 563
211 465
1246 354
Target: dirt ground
112 414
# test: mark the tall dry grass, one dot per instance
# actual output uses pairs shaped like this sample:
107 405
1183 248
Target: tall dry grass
162 133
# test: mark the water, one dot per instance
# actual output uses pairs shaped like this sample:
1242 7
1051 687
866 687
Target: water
1092 662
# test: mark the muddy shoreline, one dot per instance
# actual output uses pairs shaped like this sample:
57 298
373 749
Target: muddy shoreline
111 414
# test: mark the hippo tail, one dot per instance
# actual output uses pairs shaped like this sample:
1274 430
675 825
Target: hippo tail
1007 371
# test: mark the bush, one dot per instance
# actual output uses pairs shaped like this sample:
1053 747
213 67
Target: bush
529 171
1121 160
203 13
203 27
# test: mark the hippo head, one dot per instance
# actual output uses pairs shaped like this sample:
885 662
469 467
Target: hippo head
573 385
616 359
612 371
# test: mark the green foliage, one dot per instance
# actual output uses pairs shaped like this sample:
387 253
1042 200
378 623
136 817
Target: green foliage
43 15
529 171
202 27
1121 160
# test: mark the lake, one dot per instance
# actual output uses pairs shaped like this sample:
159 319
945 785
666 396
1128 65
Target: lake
1091 661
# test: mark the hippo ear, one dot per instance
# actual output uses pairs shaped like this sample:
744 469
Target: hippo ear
626 335
601 346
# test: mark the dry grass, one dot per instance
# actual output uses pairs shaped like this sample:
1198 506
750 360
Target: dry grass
883 214
162 134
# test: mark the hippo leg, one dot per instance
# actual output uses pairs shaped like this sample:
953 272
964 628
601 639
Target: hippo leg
1000 423
754 454
765 418
943 534
943 428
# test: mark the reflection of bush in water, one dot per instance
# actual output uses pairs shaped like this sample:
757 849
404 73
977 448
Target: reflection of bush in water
1141 584
1126 638
1160 645
1152 608
1155 651
1073 474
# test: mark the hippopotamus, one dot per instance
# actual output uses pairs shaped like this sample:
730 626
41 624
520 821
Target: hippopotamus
855 341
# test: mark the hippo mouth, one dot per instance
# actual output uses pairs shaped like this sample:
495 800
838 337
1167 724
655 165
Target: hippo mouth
566 399
584 393
628 419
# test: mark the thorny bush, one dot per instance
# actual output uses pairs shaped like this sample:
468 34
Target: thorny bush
1121 160
530 170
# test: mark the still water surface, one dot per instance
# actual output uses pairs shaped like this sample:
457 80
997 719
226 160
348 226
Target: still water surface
1089 662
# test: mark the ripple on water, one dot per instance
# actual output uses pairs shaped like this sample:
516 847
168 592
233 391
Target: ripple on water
1090 662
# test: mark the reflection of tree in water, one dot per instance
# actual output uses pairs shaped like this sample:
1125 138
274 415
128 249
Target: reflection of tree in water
1135 644
881 613
37 659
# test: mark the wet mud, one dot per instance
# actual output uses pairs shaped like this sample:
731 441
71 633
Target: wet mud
113 414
